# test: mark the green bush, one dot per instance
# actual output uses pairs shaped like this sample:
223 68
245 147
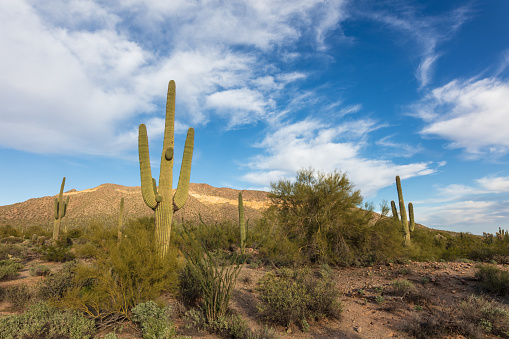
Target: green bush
212 281
37 271
75 233
60 252
9 231
401 287
493 279
153 320
288 297
38 231
123 275
11 250
44 321
19 296
54 286
9 269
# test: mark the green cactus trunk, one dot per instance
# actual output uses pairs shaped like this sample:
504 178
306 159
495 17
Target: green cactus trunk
242 226
402 210
161 199
120 220
411 216
60 209
394 211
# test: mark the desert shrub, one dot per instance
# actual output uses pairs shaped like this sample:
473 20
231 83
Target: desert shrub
9 269
123 275
214 281
9 231
488 315
401 287
493 279
75 233
19 295
288 297
60 252
44 321
10 250
40 270
228 326
38 231
54 286
87 250
153 320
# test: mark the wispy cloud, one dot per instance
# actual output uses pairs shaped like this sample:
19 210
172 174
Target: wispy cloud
426 33
311 143
78 76
471 114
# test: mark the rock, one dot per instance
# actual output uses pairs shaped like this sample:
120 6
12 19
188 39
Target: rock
358 329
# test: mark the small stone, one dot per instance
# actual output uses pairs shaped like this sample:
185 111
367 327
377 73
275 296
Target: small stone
358 329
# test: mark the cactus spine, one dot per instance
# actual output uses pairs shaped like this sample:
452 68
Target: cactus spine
402 218
120 219
242 226
60 209
161 199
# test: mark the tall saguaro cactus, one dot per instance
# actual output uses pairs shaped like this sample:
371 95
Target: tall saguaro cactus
402 211
161 199
59 211
242 225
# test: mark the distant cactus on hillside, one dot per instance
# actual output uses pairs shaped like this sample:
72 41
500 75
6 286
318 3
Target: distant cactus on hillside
60 209
161 199
402 218
242 225
120 219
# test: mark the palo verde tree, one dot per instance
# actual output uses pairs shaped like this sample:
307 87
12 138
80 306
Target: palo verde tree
161 199
318 211
60 209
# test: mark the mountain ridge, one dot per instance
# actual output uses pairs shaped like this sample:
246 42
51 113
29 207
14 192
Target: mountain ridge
102 204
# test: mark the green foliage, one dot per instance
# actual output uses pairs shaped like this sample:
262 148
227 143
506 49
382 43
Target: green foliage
9 269
123 275
18 295
60 210
75 233
35 230
55 285
401 287
161 199
43 321
491 316
493 279
37 271
153 320
288 297
320 214
59 252
213 281
9 231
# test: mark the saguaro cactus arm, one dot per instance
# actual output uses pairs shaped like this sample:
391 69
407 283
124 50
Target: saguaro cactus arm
394 210
180 197
411 216
147 187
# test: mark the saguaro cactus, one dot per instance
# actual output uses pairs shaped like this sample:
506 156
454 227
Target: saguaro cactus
242 225
161 199
402 211
120 219
59 211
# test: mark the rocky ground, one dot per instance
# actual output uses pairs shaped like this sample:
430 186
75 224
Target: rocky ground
371 306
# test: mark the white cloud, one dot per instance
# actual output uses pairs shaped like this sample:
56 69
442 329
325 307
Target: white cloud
75 76
310 143
472 115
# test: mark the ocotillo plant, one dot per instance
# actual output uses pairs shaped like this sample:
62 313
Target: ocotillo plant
120 219
242 225
60 208
402 211
161 199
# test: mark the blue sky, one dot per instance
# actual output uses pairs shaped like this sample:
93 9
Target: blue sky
376 89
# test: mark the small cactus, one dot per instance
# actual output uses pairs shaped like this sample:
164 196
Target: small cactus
60 209
242 226
120 219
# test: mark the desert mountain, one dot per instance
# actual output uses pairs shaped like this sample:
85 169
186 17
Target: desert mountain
102 204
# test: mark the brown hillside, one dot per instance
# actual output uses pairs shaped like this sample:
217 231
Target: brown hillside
102 204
